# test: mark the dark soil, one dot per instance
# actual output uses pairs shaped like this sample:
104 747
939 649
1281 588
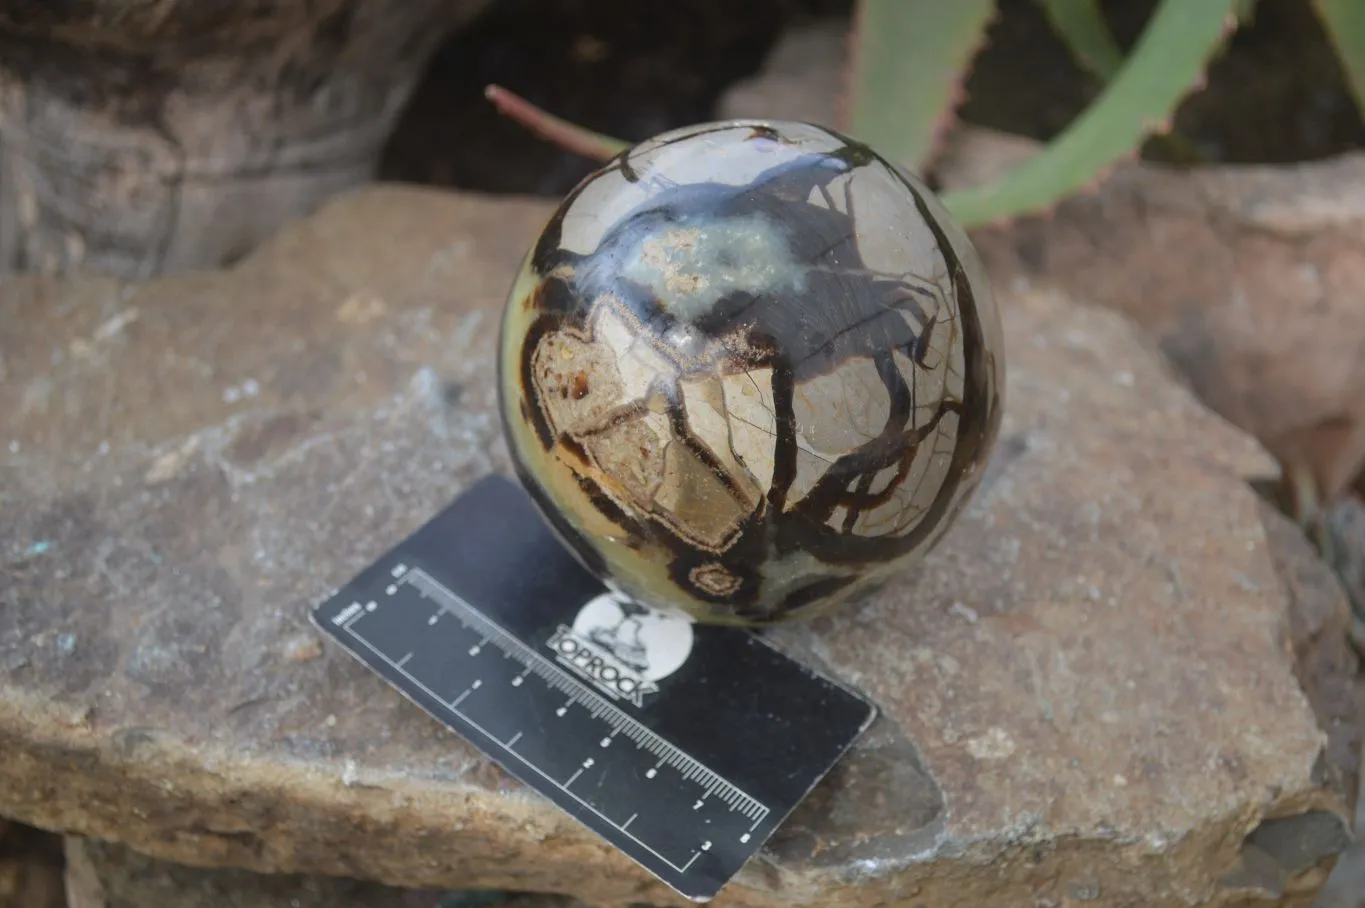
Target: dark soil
31 866
621 67
633 69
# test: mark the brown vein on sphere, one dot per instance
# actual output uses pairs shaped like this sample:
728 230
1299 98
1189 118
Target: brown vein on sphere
829 199
617 416
575 449
870 456
566 531
852 512
784 444
865 500
548 252
805 595
760 131
978 415
923 343
682 432
729 419
608 507
833 339
831 488
596 485
535 332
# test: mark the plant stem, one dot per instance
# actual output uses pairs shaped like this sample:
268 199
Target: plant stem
552 129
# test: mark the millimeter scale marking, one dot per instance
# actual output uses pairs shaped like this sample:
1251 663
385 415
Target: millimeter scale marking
449 602
558 679
523 645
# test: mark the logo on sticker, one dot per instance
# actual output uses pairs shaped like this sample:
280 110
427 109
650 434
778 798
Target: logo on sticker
622 647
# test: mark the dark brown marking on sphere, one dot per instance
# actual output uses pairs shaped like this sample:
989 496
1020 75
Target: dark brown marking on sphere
537 418
587 554
814 591
715 578
819 504
580 385
976 427
784 446
853 504
677 416
574 449
691 570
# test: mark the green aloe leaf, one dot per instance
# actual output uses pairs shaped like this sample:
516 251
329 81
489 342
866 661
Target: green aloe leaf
1080 23
1167 61
910 58
1344 22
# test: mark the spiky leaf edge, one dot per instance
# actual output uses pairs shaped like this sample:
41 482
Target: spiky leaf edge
1166 63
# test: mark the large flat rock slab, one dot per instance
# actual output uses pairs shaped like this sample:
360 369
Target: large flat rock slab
105 875
1088 691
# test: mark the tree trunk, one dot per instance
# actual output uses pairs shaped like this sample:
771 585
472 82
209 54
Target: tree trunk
143 139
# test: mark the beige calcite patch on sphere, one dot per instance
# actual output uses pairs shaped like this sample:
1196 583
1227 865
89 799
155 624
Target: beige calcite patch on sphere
1088 691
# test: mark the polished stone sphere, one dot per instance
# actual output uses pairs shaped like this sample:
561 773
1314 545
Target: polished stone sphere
749 370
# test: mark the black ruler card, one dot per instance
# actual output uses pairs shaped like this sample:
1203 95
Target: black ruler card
683 745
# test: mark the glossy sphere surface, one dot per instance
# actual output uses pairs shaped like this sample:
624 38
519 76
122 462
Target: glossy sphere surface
749 369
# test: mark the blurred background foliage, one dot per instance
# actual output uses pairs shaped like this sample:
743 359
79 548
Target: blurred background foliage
906 85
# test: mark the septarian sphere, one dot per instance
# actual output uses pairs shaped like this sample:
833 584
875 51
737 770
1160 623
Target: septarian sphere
749 370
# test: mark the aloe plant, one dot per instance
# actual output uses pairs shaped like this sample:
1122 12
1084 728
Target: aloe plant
911 57
1167 61
1082 26
1344 21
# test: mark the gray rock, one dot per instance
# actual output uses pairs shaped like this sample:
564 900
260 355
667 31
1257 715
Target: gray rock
105 875
1088 692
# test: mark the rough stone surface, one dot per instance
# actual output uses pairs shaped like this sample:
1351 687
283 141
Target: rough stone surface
1327 666
1088 692
105 875
1248 277
1346 551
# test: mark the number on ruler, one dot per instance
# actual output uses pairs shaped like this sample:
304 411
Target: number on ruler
606 742
705 846
587 764
561 711
697 806
651 773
